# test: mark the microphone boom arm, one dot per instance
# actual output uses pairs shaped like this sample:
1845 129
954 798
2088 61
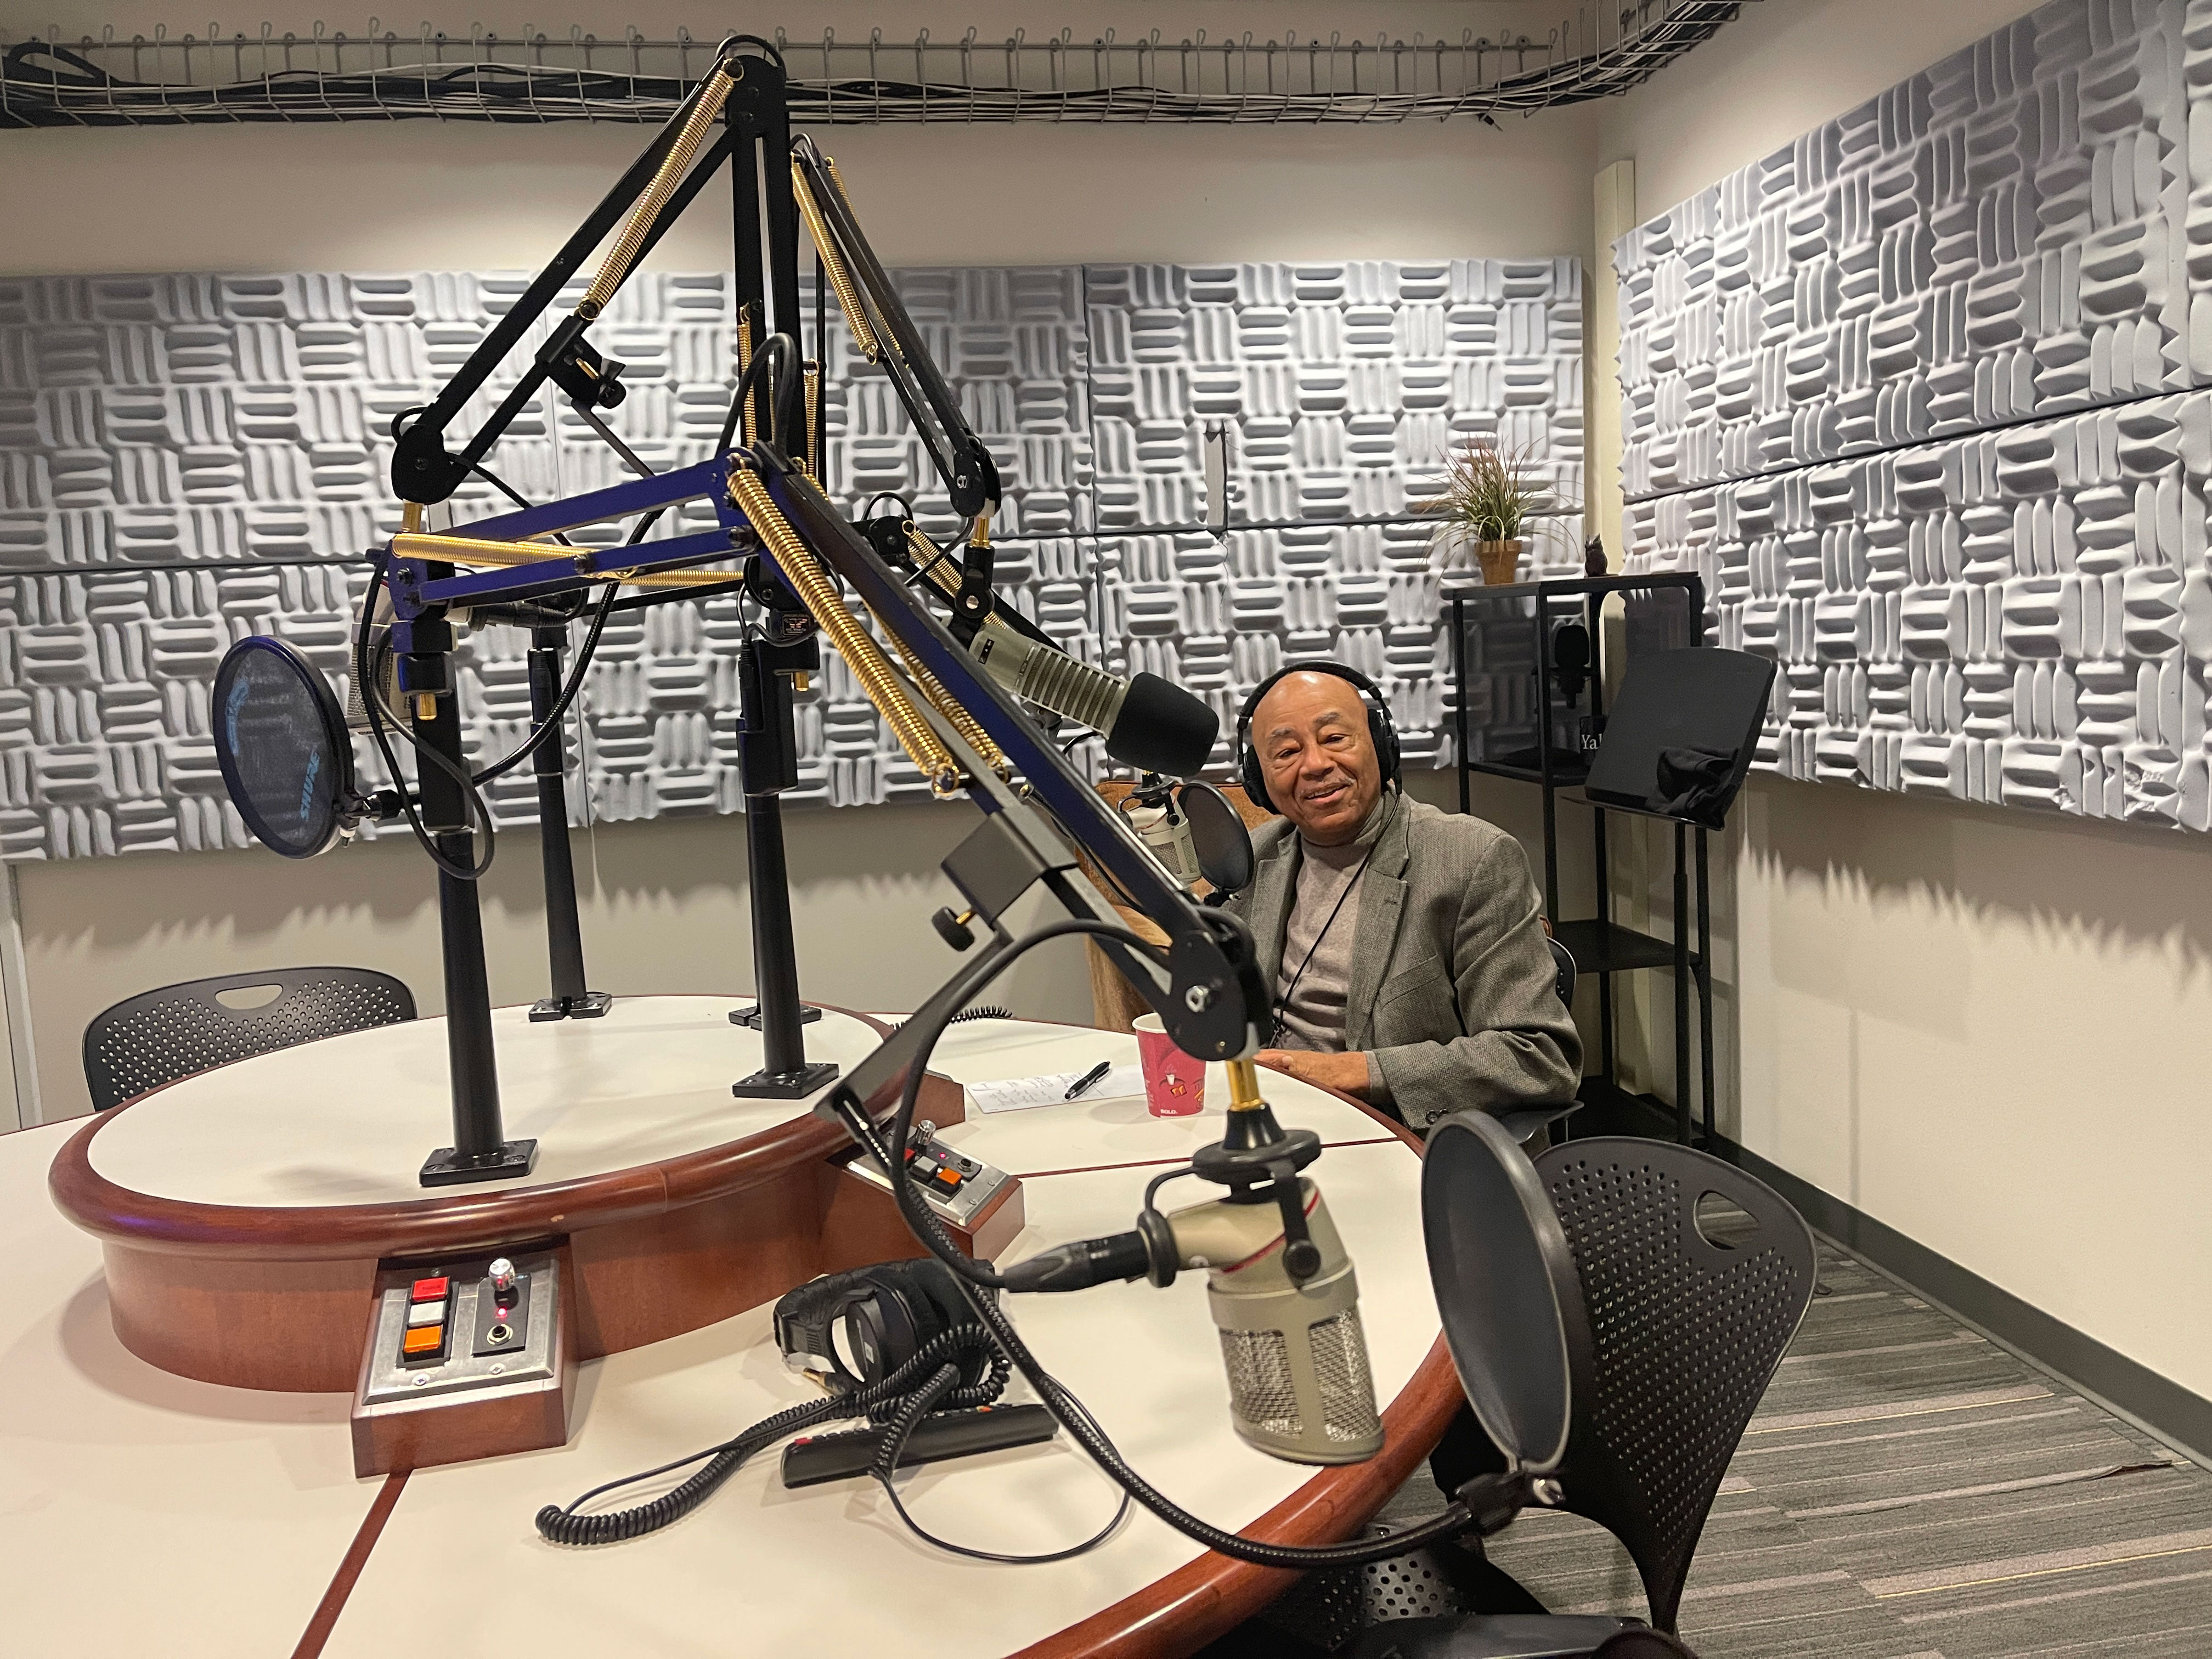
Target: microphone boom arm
886 334
1210 996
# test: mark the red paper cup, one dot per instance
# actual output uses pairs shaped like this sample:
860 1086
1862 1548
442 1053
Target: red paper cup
1174 1084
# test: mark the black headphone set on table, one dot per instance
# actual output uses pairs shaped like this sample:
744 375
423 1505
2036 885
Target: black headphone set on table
888 1312
1381 731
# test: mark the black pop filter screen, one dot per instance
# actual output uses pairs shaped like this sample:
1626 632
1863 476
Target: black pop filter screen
1505 1285
281 742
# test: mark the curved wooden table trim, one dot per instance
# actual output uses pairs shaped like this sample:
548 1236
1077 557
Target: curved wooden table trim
309 1232
276 1298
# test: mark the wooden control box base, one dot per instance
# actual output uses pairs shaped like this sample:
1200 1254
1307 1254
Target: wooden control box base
862 1224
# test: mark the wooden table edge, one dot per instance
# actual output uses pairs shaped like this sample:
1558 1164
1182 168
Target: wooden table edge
310 1232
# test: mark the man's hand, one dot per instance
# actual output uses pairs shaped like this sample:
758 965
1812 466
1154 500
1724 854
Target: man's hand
1347 1073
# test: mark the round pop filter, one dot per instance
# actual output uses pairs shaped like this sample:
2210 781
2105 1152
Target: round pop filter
1218 836
1505 1286
281 738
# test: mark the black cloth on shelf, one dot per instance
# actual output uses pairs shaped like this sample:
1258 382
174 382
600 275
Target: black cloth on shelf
1695 784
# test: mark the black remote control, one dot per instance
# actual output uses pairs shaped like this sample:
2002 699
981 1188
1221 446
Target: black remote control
812 1459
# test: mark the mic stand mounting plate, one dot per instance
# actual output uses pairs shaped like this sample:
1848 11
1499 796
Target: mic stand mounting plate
796 1083
448 1167
751 1018
586 1005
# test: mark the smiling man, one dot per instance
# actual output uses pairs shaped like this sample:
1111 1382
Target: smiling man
1402 944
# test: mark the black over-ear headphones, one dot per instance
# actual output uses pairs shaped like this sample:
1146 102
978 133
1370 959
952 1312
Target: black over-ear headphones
1382 732
888 1311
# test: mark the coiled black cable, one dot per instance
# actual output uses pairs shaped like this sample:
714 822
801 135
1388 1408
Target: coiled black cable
973 1277
882 1401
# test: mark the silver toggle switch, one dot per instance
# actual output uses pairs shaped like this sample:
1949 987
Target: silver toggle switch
502 1274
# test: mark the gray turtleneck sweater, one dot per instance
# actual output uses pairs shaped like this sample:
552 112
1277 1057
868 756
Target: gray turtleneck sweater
1315 982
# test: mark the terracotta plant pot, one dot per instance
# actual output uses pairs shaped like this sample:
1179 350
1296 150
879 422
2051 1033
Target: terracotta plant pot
1500 561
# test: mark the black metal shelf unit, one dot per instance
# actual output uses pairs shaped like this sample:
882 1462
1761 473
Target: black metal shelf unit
1527 709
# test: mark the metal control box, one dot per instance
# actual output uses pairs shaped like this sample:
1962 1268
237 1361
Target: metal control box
466 1357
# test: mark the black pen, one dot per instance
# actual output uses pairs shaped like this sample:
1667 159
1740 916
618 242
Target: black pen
1089 1077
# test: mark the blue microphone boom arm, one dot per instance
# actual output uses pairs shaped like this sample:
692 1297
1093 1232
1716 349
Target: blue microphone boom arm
1209 997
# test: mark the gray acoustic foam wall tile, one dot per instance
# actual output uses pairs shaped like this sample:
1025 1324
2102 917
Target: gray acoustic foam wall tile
159 433
1341 387
1918 398
1999 237
169 422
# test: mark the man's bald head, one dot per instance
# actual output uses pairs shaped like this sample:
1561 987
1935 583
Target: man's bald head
1316 756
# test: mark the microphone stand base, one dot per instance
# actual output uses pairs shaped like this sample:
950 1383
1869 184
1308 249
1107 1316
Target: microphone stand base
751 1018
510 1158
586 1005
794 1085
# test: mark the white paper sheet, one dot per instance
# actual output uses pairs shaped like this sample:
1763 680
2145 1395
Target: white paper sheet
1019 1094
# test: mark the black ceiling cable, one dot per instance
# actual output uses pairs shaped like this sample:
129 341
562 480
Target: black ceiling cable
46 83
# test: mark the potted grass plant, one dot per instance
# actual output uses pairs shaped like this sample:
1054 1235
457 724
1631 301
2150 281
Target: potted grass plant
1490 493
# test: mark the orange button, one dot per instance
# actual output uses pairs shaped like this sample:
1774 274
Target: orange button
949 1177
423 1338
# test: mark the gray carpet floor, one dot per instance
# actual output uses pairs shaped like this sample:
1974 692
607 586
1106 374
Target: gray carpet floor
1911 1491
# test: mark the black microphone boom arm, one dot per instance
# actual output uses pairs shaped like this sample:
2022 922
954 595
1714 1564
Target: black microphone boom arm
886 333
754 113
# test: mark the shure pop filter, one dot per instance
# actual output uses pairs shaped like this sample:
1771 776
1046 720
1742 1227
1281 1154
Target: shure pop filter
281 738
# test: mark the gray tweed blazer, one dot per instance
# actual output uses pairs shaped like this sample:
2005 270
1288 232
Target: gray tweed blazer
1453 988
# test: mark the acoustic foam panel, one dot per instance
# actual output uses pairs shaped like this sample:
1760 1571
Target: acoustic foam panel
1918 397
191 451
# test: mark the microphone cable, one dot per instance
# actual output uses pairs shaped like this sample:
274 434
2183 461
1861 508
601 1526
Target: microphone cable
1458 1517
546 727
880 1401
372 703
929 1380
371 697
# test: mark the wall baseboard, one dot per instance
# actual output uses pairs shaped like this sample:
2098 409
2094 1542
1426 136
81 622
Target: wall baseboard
2180 1420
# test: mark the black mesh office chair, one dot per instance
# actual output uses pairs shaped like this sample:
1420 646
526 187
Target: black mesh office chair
158 1037
1588 1277
1695 1277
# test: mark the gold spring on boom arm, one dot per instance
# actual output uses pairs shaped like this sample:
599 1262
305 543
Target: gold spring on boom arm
714 92
946 704
873 670
745 362
808 459
833 262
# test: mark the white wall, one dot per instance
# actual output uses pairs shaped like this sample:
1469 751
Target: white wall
1984 1028
666 907
427 195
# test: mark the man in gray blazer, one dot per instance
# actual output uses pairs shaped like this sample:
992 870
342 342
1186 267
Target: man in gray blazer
1403 944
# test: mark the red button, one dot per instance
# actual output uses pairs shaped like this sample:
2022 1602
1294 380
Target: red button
428 1290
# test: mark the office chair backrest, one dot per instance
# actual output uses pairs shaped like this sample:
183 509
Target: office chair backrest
158 1037
1694 1276
1563 970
